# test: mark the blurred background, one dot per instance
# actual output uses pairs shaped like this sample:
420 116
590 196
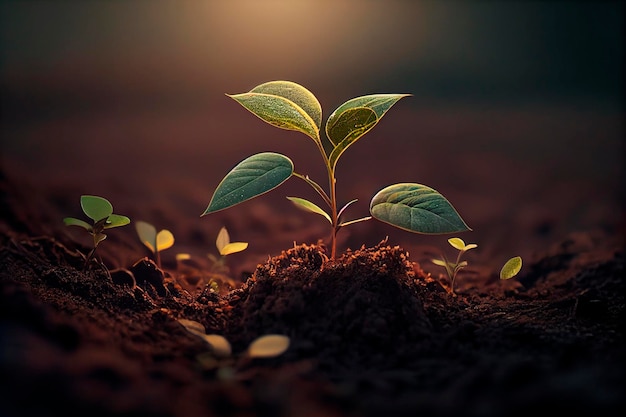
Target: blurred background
516 114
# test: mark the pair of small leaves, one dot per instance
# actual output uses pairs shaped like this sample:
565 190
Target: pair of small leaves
148 235
290 106
225 246
100 210
266 346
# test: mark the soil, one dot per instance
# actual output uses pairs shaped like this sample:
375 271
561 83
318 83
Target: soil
372 333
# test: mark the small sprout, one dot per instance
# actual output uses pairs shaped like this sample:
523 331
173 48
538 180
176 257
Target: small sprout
99 210
268 346
287 105
154 241
453 268
225 246
511 268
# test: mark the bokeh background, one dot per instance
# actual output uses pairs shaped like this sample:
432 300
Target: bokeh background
516 115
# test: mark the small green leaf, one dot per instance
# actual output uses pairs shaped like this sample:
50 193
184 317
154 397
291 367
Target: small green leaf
439 262
233 247
147 234
456 243
310 207
416 208
286 105
115 220
511 268
354 118
71 221
96 208
99 238
252 177
470 246
268 346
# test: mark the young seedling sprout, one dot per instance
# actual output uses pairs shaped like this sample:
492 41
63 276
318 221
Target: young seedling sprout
100 211
510 269
221 356
154 241
225 247
287 105
453 268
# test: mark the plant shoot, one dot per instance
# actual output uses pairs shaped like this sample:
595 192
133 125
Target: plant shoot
287 105
154 241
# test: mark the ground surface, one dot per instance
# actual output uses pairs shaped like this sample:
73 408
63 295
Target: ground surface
371 334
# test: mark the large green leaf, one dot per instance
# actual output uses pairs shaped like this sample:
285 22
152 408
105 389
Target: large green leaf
416 208
96 208
286 105
355 118
252 177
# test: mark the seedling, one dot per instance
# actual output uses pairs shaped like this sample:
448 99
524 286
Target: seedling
221 356
510 269
100 211
453 268
287 105
225 247
154 241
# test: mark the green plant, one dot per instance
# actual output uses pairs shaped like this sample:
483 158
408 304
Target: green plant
154 241
287 105
453 268
510 269
100 211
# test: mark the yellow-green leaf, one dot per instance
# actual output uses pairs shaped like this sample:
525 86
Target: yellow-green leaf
511 268
164 240
233 247
223 239
71 221
306 205
286 105
457 243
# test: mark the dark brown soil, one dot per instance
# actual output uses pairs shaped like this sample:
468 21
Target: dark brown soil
372 333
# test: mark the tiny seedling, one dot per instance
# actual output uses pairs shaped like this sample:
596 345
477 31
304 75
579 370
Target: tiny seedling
453 268
287 105
100 211
221 355
154 241
510 269
225 247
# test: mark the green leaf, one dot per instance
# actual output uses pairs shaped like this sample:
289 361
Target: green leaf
96 208
268 346
71 221
147 234
439 262
511 268
416 208
233 247
355 118
115 220
252 177
286 105
310 207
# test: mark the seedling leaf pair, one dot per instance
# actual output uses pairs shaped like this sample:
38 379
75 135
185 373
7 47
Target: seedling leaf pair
267 346
225 246
290 106
100 211
154 241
